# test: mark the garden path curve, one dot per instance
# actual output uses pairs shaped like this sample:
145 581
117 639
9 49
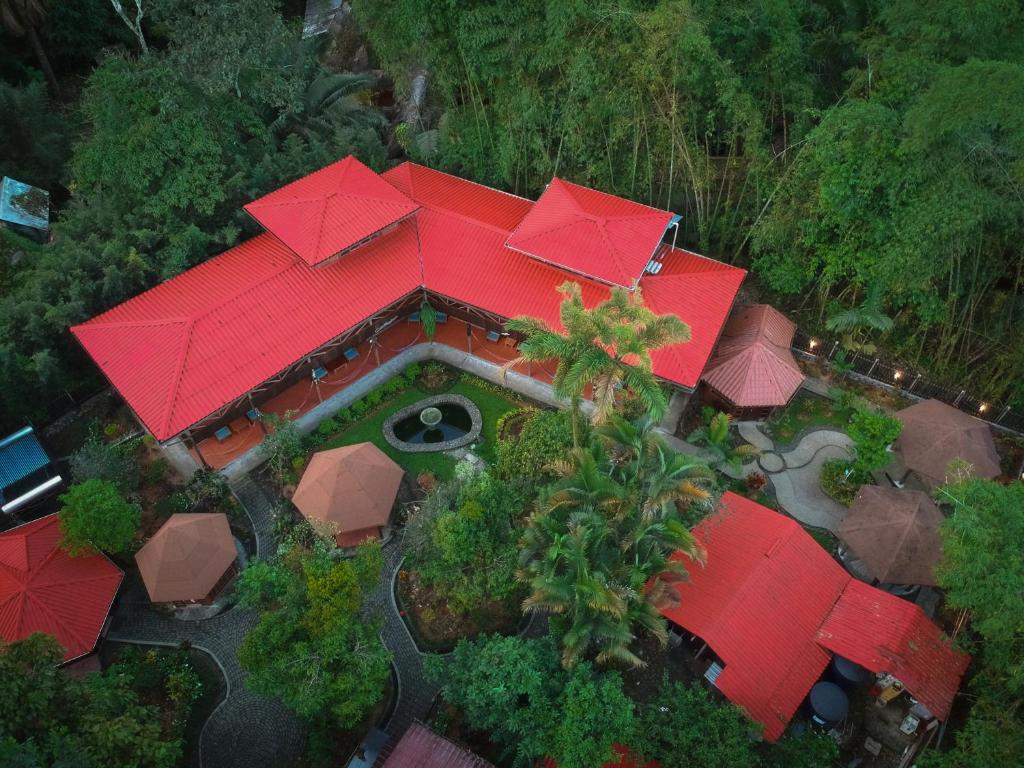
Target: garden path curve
245 729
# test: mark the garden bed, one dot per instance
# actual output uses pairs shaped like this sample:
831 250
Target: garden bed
805 412
835 484
435 628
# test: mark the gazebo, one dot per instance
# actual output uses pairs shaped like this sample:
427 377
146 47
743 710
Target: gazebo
349 491
753 370
44 589
189 560
895 533
935 434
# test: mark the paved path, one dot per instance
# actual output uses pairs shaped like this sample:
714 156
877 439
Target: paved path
246 729
796 474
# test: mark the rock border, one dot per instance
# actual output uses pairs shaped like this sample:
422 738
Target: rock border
472 436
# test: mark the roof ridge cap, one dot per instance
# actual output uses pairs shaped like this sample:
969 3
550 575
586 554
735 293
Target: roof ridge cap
186 345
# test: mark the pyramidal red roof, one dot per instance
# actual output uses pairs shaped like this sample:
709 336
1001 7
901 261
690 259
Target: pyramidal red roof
591 233
44 589
753 365
182 350
330 210
774 606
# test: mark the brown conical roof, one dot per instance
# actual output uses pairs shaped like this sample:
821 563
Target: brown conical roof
896 533
187 557
349 488
934 434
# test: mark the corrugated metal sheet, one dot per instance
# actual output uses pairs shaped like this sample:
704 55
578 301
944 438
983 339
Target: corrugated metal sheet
44 589
773 605
420 747
20 456
180 351
591 232
330 210
883 633
753 365
758 603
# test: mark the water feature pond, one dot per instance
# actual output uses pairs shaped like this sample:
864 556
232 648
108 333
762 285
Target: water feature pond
438 423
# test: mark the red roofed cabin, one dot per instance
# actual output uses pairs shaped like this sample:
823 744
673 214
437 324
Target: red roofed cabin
773 606
294 318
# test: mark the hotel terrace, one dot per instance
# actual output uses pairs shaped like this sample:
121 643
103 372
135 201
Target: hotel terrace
310 314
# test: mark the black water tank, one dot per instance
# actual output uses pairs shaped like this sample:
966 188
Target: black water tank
828 704
846 674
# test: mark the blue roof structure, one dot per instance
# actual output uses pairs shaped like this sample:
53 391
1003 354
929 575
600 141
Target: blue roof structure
23 204
20 456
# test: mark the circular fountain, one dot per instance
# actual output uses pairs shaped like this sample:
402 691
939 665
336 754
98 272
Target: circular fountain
438 423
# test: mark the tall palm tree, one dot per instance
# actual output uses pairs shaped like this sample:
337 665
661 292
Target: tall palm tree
714 437
26 17
606 347
598 550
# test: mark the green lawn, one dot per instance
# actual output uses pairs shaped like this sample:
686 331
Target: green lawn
371 428
806 411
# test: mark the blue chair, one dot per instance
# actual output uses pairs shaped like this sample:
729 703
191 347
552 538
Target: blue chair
442 317
319 373
493 335
253 415
351 354
413 318
222 434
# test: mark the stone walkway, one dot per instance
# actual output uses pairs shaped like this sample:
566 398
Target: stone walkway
796 474
245 729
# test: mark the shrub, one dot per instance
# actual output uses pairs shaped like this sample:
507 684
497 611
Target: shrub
359 408
207 491
343 417
281 446
872 431
756 481
112 430
156 471
426 481
94 515
172 504
373 397
543 437
836 483
412 372
97 460
327 427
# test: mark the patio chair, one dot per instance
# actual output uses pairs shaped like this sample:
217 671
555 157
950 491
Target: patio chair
351 354
253 415
319 373
223 433
493 335
413 318
441 317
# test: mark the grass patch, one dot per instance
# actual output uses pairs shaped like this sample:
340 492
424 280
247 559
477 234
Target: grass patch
806 411
370 428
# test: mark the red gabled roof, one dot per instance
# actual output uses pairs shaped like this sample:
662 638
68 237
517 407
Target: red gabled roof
420 747
774 606
753 365
883 633
44 589
758 603
330 210
185 348
592 233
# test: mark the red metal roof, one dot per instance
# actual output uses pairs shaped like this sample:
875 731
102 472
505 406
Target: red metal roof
184 349
592 233
753 365
883 633
44 589
330 210
773 605
420 747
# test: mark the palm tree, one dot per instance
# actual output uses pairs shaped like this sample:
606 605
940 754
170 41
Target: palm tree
25 17
854 323
607 347
335 102
598 551
714 437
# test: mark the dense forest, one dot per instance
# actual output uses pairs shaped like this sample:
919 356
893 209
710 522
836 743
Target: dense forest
856 156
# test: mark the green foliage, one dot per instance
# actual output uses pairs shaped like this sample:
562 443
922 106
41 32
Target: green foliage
463 541
282 446
543 437
872 431
597 550
35 138
715 438
51 718
683 727
99 460
311 647
811 749
516 690
428 318
993 735
95 516
838 481
982 570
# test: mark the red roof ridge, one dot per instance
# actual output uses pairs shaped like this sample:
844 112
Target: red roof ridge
179 375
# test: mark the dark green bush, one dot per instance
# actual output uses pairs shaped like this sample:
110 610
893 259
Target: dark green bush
327 427
527 451
835 482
